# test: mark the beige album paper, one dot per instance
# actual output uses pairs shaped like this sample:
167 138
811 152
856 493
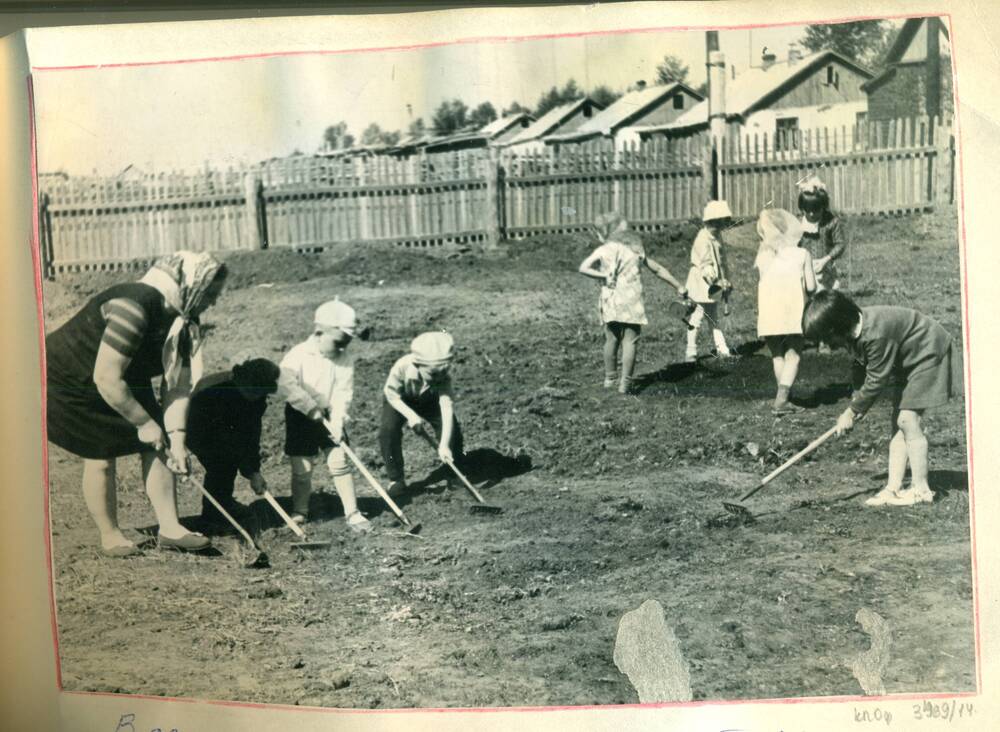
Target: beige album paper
598 366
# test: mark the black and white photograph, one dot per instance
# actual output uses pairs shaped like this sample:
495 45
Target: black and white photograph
562 370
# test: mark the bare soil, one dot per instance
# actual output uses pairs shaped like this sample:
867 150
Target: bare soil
609 501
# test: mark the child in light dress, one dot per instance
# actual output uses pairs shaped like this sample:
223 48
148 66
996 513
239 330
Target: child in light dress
618 263
707 283
786 279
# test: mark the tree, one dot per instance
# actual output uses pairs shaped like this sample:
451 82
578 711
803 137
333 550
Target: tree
417 128
483 115
556 97
671 70
863 41
605 96
336 137
450 117
514 108
372 135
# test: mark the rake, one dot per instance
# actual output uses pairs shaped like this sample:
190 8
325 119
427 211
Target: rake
742 511
304 542
480 506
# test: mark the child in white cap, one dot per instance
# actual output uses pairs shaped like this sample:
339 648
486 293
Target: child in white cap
707 283
318 385
418 394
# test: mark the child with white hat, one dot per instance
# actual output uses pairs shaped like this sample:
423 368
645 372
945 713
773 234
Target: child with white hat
706 282
318 384
418 393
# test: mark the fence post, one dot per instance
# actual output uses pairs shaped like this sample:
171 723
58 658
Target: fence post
494 202
45 237
253 199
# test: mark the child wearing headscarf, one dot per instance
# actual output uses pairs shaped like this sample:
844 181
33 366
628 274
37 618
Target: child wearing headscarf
786 278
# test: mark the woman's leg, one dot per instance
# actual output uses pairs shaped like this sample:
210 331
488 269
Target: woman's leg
630 348
611 336
161 487
101 497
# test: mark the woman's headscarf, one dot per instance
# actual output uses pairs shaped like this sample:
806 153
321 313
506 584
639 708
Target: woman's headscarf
183 278
777 229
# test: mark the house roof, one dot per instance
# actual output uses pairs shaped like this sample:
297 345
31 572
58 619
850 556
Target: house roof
897 49
551 120
624 109
752 89
499 126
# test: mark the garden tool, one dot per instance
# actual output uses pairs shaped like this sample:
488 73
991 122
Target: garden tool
409 526
257 559
304 542
742 511
481 506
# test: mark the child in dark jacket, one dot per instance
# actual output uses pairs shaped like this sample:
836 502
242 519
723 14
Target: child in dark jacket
897 350
223 431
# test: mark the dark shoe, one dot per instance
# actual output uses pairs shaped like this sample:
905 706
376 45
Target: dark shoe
396 488
121 551
190 542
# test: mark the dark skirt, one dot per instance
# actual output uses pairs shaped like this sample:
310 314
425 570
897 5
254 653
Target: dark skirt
81 422
928 386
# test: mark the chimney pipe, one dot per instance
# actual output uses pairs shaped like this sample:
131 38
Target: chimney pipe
717 93
767 59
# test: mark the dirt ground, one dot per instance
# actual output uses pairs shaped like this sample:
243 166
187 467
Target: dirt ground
609 501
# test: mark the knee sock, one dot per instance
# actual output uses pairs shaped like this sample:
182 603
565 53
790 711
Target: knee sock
301 490
345 489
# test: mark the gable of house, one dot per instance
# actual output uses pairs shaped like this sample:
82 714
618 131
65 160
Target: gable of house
906 80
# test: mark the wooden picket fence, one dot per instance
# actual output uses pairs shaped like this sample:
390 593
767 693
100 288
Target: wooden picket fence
564 189
885 167
480 196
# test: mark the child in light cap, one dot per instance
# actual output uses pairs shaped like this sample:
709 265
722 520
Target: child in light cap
318 384
418 393
707 283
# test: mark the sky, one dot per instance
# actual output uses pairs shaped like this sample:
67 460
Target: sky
232 112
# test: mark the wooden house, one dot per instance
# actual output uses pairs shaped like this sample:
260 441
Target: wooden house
648 105
915 75
823 89
564 118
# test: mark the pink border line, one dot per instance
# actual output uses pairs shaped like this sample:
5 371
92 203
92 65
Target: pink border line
967 334
467 41
36 263
606 707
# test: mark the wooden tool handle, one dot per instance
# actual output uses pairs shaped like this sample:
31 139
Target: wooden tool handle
285 517
792 460
223 511
454 468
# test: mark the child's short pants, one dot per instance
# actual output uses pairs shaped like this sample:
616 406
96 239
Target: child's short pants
304 437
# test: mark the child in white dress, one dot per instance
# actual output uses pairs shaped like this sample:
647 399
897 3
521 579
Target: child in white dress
786 278
618 263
